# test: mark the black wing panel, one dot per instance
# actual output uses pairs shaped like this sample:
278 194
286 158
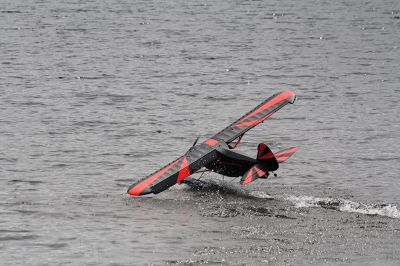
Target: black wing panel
196 158
256 116
229 163
175 172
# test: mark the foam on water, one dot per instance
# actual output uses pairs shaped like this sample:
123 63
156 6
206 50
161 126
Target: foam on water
221 186
260 195
95 95
387 210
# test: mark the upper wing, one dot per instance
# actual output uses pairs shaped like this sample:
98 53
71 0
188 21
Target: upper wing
175 172
256 116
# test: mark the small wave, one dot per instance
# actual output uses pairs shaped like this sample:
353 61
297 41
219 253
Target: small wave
260 195
387 210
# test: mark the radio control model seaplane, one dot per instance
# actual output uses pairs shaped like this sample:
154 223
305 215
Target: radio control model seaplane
216 153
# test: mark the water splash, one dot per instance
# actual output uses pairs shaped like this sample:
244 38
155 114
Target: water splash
260 195
387 210
222 187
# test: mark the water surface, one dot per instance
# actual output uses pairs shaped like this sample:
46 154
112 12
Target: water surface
95 95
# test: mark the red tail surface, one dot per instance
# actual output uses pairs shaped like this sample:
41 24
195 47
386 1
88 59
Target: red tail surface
266 157
282 156
253 173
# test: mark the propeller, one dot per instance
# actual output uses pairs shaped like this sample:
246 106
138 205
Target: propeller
195 142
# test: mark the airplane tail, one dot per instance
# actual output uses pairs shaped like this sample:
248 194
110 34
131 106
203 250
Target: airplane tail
266 162
266 158
282 156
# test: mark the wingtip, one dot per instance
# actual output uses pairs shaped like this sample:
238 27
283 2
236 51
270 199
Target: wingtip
134 191
291 96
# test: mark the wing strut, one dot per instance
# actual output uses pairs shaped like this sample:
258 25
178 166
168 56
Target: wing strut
237 142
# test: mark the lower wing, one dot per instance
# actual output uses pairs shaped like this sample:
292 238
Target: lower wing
175 172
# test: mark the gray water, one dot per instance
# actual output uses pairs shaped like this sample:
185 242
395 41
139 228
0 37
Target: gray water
94 95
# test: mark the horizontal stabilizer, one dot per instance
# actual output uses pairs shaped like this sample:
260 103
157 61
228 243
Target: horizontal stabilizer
253 173
285 154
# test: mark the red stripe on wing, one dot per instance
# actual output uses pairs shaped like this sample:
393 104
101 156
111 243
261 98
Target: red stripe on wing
138 188
279 98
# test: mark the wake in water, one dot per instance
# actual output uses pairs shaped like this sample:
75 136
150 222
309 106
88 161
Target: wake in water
222 187
387 210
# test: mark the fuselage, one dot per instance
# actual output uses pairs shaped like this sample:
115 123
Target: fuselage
230 163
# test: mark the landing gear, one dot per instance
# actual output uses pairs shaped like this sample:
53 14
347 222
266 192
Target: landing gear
267 175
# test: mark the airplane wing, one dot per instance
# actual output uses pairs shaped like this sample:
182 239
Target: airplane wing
256 116
197 157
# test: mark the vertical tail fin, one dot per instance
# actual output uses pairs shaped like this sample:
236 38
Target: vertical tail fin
266 157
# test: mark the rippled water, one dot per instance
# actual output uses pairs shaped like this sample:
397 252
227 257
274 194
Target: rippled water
97 94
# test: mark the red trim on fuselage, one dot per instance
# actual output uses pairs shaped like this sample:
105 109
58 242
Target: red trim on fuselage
136 190
254 122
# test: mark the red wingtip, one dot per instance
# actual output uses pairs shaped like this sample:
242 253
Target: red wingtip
136 190
143 186
291 95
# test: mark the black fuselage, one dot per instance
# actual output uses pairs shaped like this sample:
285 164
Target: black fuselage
229 163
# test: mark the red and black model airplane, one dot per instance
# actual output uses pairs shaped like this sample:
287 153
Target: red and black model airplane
216 155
